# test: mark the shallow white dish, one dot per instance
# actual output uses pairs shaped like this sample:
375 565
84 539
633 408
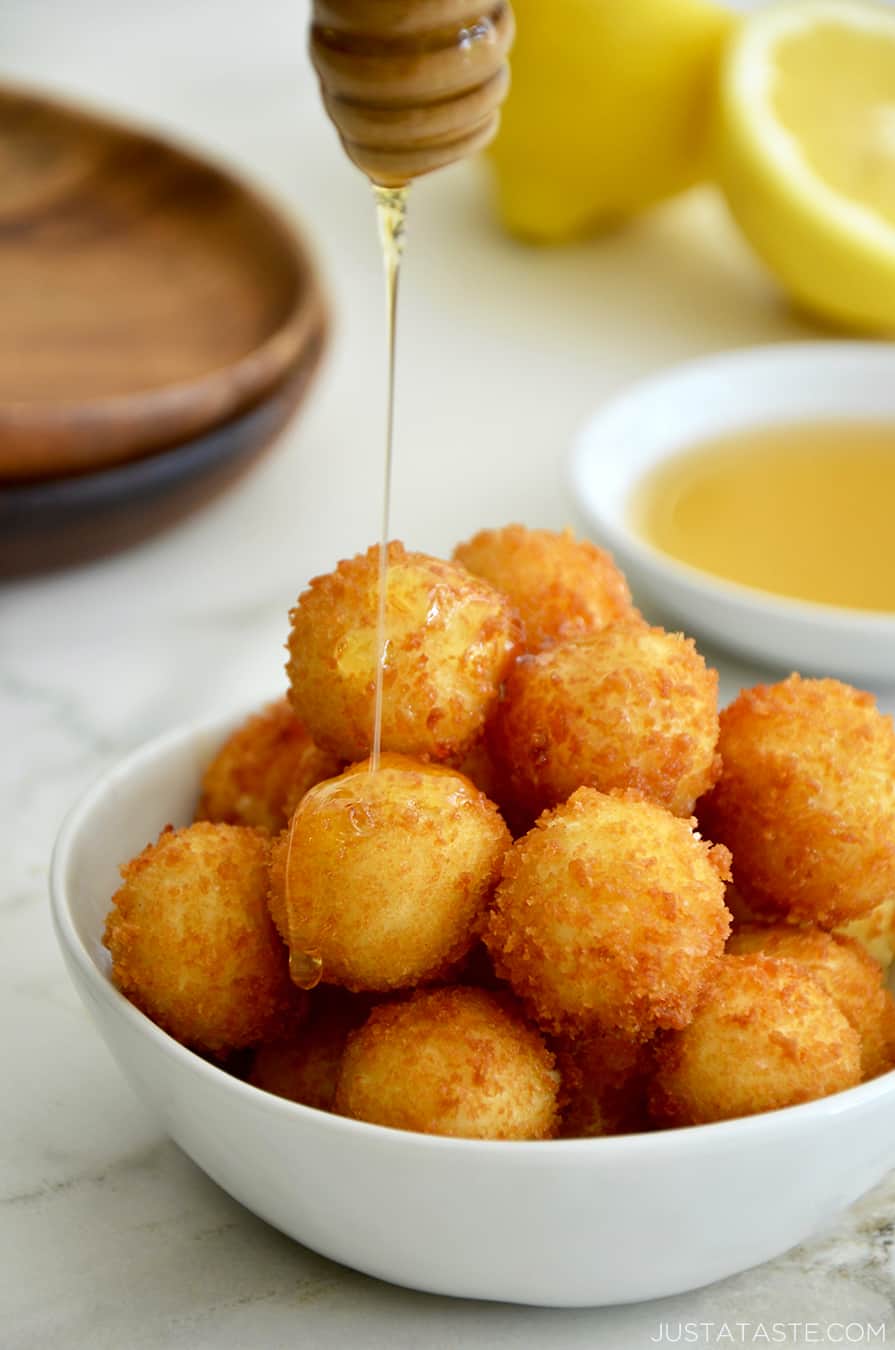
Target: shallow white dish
666 413
568 1223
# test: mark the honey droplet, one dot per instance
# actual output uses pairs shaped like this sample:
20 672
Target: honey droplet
361 818
305 969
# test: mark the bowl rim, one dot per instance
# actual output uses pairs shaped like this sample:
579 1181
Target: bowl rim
668 1143
621 536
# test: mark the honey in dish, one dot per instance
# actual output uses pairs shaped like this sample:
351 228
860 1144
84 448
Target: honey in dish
804 511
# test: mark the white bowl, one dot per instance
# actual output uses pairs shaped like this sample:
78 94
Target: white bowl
566 1223
695 402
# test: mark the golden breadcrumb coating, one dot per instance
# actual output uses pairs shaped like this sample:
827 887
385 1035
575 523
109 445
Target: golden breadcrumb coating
263 770
605 1078
765 1036
849 975
192 942
451 638
382 877
304 1067
452 1061
562 587
630 707
276 884
610 916
806 800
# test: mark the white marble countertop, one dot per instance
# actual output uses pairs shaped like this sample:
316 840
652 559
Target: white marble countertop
109 1236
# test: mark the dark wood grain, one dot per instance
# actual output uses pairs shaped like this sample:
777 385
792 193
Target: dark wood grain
145 295
59 522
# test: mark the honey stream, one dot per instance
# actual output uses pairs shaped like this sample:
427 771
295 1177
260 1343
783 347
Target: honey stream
306 968
391 208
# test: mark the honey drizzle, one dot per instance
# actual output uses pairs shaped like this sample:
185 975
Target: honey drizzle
391 209
305 968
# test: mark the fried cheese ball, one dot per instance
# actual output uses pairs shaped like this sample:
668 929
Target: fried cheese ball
806 800
562 587
451 638
452 1061
845 971
263 770
382 877
191 939
630 707
304 1067
765 1036
604 1085
610 916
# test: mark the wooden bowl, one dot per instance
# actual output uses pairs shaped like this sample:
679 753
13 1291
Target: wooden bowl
55 523
147 296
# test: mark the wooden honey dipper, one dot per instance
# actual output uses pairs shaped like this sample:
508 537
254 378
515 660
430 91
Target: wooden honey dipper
411 85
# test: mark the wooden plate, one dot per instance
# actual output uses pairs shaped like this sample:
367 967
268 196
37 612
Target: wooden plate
146 295
62 521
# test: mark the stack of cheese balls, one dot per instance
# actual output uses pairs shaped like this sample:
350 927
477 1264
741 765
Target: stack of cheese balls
516 925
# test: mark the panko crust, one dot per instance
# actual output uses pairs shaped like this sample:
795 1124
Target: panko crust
610 916
605 1078
303 1066
765 1036
563 587
806 800
191 939
454 1061
451 639
383 876
263 770
276 884
629 707
841 966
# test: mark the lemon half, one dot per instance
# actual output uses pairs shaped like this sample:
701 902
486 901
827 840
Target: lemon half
806 152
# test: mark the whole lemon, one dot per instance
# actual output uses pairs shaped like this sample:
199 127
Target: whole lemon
609 110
